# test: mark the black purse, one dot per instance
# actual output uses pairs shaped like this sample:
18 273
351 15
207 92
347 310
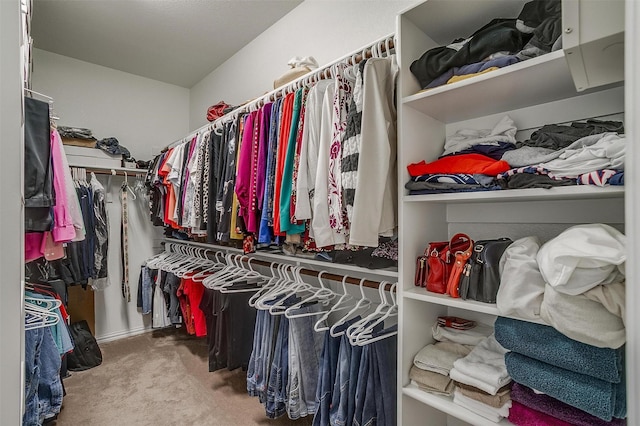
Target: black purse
86 352
480 278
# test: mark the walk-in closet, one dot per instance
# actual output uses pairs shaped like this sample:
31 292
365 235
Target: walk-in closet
310 212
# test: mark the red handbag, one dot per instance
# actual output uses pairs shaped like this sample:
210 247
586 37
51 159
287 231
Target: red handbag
441 259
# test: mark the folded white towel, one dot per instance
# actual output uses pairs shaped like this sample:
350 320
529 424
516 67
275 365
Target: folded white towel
472 336
439 357
583 257
484 367
484 410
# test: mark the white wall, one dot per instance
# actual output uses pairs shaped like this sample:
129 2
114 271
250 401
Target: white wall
11 229
324 29
143 114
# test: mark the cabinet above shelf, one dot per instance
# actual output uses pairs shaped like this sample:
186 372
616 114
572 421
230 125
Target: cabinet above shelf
576 192
537 81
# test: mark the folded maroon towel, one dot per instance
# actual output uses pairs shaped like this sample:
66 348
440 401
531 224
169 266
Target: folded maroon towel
520 415
558 409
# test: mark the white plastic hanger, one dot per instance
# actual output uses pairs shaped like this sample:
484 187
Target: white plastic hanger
322 295
321 324
361 304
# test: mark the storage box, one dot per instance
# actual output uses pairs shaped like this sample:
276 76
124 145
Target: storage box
91 157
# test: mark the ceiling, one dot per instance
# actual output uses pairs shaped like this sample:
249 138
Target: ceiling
174 41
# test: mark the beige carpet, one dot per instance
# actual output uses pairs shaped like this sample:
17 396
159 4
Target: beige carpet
161 378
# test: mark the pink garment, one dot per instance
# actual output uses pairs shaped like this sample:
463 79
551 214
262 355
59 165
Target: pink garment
33 246
243 176
63 229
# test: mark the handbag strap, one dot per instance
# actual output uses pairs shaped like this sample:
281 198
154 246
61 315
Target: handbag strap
462 237
461 257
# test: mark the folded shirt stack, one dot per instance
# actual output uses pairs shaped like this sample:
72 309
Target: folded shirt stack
584 153
431 366
576 382
483 369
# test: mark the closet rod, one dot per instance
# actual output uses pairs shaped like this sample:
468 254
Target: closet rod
303 271
318 74
113 172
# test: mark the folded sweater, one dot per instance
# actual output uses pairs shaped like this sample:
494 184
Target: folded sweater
440 356
483 368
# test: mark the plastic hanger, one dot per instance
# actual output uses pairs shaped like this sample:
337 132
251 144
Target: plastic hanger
362 303
366 335
322 295
360 325
321 324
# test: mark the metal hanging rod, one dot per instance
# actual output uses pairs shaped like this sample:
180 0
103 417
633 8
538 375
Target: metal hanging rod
304 271
384 44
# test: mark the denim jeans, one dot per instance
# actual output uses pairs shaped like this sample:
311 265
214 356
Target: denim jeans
327 377
32 348
256 352
265 356
274 405
362 385
49 385
147 290
386 355
338 414
305 350
378 400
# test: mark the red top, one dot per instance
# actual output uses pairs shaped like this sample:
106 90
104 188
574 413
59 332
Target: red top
194 291
462 163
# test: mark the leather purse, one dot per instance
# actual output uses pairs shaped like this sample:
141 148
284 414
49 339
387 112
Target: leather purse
481 277
462 252
440 260
420 280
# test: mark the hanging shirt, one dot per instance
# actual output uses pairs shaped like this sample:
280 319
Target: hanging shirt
341 98
286 224
309 150
323 233
63 229
237 225
375 202
259 178
283 142
266 220
243 178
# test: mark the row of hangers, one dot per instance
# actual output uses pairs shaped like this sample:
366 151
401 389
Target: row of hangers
234 273
39 312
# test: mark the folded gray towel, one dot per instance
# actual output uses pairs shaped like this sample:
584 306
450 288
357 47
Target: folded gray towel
548 345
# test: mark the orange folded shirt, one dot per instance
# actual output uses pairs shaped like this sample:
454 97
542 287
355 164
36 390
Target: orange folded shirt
463 163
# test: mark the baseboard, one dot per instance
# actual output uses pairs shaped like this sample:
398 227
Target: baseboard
117 335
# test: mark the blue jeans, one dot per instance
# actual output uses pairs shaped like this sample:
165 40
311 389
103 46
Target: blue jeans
379 399
256 353
32 348
275 406
327 377
147 291
305 350
362 386
343 392
49 385
263 358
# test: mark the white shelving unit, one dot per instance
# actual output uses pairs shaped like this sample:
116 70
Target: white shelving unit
583 81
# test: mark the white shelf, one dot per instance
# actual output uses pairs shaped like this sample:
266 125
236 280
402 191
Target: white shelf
575 192
446 405
532 82
344 269
420 293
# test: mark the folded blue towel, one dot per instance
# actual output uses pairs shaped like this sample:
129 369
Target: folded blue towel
597 397
548 345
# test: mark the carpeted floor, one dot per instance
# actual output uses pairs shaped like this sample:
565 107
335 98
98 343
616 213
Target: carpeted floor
161 378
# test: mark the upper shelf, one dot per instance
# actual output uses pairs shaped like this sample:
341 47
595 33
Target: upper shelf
577 192
535 81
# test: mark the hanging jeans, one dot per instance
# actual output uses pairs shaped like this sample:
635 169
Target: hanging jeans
276 389
32 348
305 349
327 377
